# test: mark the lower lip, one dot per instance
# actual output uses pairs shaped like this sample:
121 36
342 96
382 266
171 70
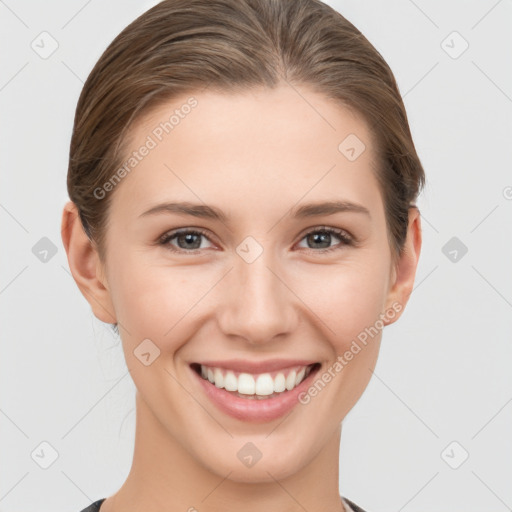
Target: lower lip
255 410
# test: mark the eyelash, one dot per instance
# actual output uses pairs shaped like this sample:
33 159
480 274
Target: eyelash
346 239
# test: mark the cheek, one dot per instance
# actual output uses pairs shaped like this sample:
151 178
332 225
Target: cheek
155 301
346 299
158 302
349 304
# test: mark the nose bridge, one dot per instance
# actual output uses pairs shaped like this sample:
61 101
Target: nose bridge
259 305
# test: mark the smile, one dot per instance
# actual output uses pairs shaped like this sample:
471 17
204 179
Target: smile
248 393
256 386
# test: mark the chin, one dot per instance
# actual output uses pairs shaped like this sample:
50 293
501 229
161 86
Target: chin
258 461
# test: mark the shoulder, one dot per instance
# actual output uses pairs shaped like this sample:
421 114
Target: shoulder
94 507
352 505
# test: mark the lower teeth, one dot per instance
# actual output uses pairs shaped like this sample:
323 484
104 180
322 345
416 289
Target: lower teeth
255 397
252 397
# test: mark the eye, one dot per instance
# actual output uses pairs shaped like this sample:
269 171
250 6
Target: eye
188 240
323 236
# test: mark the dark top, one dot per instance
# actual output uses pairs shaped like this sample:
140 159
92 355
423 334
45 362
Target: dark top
95 507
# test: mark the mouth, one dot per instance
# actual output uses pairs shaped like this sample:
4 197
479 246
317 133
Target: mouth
262 386
254 396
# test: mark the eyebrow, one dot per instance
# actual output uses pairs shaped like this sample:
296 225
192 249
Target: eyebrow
211 212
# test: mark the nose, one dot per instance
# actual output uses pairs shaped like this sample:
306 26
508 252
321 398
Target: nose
258 304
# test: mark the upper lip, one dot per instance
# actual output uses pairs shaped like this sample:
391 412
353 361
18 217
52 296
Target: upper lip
244 365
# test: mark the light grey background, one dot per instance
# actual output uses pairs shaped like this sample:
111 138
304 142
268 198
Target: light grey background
444 368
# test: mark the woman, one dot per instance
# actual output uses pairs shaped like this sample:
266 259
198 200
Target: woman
243 181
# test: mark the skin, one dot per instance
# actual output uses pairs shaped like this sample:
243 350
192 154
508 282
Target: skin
255 155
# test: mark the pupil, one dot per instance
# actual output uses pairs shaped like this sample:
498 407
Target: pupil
189 237
324 236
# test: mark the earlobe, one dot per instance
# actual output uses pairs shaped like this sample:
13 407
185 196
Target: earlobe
85 265
405 270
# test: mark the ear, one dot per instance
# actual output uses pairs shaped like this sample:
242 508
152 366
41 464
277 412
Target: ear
404 270
85 265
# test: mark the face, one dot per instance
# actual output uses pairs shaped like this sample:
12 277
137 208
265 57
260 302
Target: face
276 271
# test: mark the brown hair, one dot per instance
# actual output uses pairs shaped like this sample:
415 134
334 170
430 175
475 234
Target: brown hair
179 46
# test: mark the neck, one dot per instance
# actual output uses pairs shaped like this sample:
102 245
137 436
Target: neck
164 475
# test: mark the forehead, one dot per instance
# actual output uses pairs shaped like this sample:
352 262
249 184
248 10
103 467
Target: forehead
270 145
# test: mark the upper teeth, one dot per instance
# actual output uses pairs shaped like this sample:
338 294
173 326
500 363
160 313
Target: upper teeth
262 384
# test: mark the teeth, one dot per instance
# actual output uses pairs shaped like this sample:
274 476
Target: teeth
264 384
279 383
219 379
230 382
246 384
255 386
290 380
300 376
